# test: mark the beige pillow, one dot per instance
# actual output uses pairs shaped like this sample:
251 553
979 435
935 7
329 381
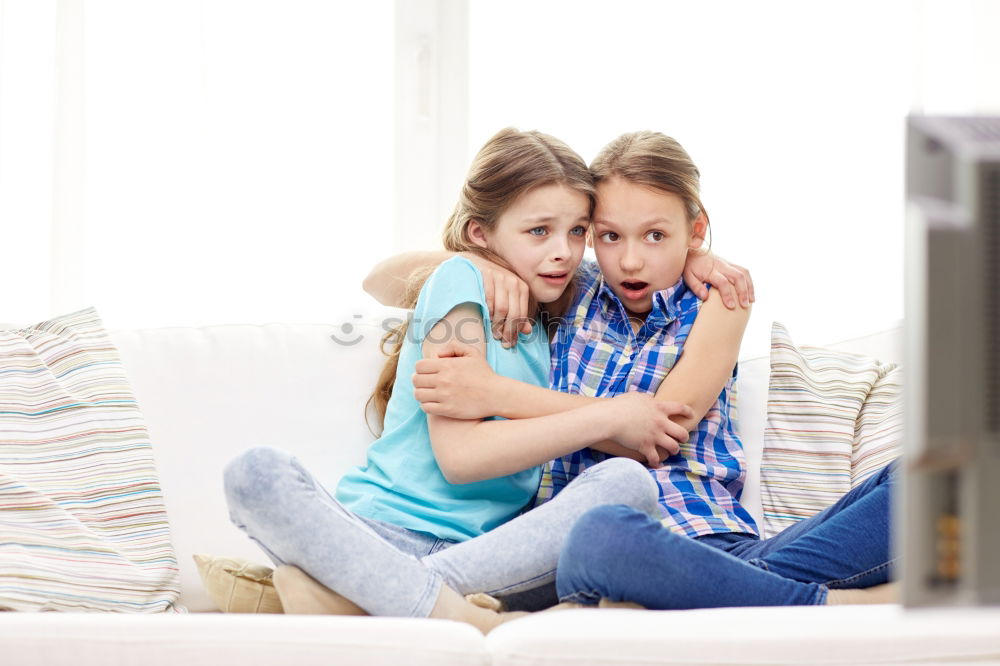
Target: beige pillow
83 526
878 436
833 418
238 586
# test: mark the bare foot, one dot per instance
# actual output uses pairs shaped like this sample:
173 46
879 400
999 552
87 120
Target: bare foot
300 594
450 605
484 600
603 603
507 616
887 593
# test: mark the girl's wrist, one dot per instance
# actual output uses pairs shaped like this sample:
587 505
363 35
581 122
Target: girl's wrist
500 390
603 417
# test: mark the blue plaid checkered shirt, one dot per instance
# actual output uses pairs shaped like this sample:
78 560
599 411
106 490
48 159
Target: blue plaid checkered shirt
595 352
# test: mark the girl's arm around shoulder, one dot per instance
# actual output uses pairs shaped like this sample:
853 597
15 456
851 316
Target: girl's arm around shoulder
706 364
469 450
506 293
388 280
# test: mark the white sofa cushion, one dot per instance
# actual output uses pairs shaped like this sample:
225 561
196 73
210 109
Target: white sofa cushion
211 393
219 639
792 635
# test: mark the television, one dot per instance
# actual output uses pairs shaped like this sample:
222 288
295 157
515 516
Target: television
948 495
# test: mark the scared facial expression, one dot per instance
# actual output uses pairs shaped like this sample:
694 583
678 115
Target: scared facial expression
641 238
542 235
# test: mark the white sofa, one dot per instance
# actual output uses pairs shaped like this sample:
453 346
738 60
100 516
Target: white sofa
209 393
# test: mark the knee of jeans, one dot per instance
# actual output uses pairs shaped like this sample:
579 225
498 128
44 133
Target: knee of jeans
595 536
592 549
634 484
251 477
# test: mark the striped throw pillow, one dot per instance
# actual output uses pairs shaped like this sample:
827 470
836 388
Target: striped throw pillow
833 418
879 433
82 520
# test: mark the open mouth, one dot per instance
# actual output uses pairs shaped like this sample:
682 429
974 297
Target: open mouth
634 289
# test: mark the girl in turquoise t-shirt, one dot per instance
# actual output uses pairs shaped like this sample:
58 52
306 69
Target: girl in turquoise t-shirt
436 511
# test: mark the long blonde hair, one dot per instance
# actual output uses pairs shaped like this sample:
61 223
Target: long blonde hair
656 160
511 163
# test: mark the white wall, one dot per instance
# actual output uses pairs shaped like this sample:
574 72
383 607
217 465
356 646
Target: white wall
206 161
793 111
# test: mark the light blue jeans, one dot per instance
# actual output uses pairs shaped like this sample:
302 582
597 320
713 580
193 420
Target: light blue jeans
390 570
622 555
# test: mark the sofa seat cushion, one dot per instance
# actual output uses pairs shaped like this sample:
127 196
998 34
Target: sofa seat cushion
210 639
776 635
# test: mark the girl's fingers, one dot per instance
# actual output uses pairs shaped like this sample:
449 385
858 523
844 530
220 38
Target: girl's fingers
671 446
744 283
652 457
524 314
517 303
423 381
694 284
428 366
489 288
726 290
432 408
738 277
676 432
516 314
499 313
743 287
749 284
675 408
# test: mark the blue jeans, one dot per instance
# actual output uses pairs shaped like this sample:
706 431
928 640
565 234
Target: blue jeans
616 553
389 570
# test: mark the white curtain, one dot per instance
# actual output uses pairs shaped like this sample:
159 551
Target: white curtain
193 161
27 89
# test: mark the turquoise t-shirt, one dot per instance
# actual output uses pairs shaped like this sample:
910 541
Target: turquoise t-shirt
401 482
